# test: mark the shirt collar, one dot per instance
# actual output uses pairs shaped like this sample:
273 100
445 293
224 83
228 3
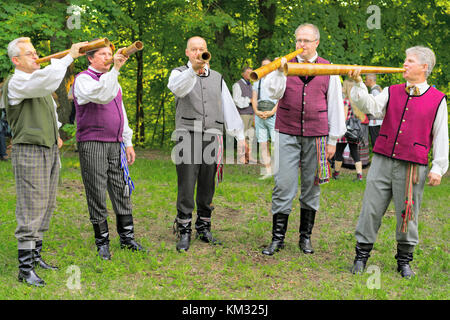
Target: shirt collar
189 64
422 86
300 59
95 70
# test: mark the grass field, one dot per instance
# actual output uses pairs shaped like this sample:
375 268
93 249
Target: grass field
237 270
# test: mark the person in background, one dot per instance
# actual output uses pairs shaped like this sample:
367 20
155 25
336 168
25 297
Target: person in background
265 110
374 124
242 96
343 142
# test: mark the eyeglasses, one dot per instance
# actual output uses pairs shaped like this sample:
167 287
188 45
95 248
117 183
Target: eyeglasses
306 41
29 54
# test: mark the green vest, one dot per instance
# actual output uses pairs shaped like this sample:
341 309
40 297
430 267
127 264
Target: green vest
32 121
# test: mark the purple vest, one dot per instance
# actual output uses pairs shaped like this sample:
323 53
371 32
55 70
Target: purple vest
99 122
247 91
406 132
303 110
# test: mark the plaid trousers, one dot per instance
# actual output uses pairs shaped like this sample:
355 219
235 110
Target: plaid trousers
100 170
36 170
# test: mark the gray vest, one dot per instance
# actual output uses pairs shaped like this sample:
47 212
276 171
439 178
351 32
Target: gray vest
246 91
201 109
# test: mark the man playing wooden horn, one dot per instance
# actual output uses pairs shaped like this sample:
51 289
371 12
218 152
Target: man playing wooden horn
310 119
31 113
203 106
105 148
415 118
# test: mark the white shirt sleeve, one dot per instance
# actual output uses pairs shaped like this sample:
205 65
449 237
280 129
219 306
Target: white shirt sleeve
367 103
127 133
181 83
233 122
439 163
275 84
240 101
103 91
336 116
40 83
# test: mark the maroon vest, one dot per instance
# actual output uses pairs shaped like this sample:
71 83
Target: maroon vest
99 122
406 132
303 109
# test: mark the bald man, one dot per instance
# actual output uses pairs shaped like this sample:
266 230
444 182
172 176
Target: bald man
203 106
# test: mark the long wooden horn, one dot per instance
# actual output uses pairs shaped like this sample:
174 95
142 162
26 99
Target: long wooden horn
320 69
274 65
128 51
92 45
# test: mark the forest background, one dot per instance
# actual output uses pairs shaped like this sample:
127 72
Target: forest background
238 33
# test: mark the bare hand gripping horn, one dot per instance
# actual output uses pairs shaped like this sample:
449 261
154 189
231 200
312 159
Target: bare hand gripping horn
135 47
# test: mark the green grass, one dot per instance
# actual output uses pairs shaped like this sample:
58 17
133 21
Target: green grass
237 270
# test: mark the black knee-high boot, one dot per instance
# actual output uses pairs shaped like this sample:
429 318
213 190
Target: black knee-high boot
279 228
38 261
125 229
404 256
26 269
101 233
362 255
307 217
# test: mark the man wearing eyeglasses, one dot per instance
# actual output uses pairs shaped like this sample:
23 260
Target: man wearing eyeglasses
31 113
310 118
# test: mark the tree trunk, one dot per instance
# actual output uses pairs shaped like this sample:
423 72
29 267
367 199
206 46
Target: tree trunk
267 15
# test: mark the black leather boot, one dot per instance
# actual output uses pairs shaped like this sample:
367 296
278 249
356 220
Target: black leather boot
26 269
279 227
362 255
203 228
403 259
37 259
125 229
101 233
307 217
183 230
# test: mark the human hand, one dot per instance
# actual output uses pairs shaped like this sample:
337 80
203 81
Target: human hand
355 75
131 155
60 143
119 59
330 150
434 179
283 62
75 49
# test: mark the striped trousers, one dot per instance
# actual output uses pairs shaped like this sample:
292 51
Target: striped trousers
101 172
36 170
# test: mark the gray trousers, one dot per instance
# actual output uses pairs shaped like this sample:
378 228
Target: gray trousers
386 180
36 170
100 170
293 151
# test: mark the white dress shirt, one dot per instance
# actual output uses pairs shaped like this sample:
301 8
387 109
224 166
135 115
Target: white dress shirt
375 122
240 101
39 83
181 83
103 91
377 107
275 84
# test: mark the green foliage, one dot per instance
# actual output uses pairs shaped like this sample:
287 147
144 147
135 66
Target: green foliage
238 33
